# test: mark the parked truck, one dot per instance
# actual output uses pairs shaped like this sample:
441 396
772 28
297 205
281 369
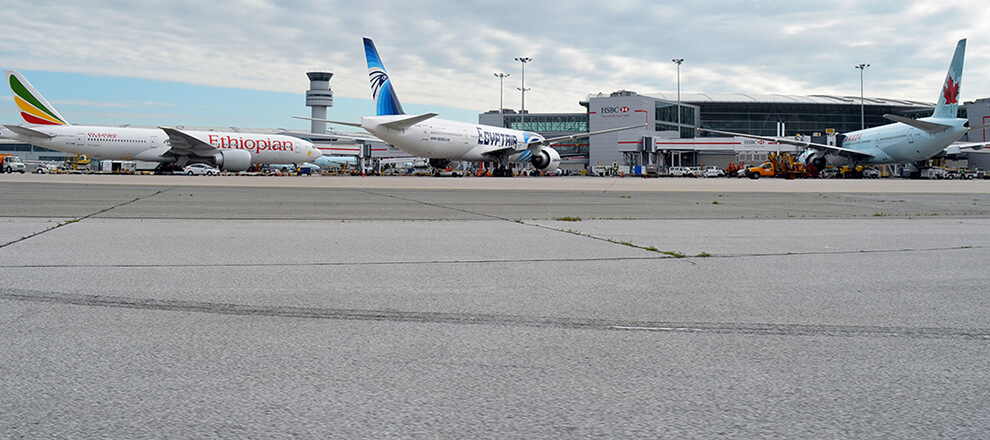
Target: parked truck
778 165
11 164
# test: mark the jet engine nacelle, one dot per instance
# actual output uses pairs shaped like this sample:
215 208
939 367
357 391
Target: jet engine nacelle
546 159
233 160
814 158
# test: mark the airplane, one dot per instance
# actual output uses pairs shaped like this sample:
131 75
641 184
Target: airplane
45 127
905 141
320 163
444 141
336 161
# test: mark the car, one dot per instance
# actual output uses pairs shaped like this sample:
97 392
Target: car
694 172
677 171
46 168
198 169
714 172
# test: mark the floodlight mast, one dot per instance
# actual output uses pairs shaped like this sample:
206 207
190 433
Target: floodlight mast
862 106
501 78
678 61
523 89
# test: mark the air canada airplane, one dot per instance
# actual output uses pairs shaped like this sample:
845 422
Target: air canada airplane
45 127
443 141
905 141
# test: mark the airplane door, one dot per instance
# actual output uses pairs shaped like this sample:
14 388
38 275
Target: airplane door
81 140
910 136
154 142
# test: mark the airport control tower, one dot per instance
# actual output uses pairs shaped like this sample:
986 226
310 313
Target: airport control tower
319 97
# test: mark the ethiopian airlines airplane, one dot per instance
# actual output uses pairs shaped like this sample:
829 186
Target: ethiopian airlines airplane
45 127
905 141
443 140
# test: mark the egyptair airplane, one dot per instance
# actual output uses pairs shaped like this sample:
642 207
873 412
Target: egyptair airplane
443 141
905 141
45 127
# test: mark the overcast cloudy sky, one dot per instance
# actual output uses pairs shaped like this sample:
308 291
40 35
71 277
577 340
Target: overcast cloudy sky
243 63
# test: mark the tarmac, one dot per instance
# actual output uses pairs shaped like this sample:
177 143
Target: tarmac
566 307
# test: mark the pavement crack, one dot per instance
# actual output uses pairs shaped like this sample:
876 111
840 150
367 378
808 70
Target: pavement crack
79 219
667 254
437 205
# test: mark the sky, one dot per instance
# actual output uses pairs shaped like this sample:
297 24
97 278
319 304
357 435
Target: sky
243 63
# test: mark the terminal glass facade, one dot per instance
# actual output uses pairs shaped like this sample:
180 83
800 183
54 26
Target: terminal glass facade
806 119
666 118
552 123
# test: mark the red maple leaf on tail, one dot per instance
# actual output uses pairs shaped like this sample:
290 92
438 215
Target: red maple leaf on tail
951 92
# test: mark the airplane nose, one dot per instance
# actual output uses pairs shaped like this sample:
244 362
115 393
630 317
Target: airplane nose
316 153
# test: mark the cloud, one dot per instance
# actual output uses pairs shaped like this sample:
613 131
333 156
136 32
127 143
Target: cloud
444 52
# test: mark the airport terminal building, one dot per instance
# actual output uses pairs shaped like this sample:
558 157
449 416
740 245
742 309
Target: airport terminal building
671 138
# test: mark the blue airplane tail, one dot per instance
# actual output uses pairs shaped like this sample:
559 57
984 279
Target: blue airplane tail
948 100
386 103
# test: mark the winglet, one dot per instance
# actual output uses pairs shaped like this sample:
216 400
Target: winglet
948 100
34 108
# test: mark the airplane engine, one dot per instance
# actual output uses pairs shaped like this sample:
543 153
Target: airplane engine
233 160
814 158
546 159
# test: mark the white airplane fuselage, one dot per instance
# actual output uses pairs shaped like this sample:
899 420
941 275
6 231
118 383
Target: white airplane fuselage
149 144
901 143
459 141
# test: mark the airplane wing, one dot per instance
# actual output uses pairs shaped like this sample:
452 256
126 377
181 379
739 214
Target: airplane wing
184 144
496 152
972 146
399 124
330 136
829 148
958 147
559 139
28 131
349 124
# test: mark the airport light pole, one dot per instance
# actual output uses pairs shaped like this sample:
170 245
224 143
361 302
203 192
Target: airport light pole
523 89
501 78
862 106
678 61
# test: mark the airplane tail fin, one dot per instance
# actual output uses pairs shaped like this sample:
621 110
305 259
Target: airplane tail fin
948 101
386 103
35 109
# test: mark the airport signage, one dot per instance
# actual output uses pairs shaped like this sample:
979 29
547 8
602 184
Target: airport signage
619 111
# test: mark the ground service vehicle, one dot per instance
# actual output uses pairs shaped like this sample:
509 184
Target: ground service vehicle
200 169
779 165
11 164
713 172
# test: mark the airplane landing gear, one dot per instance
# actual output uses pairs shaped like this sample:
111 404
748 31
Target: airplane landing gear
502 172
